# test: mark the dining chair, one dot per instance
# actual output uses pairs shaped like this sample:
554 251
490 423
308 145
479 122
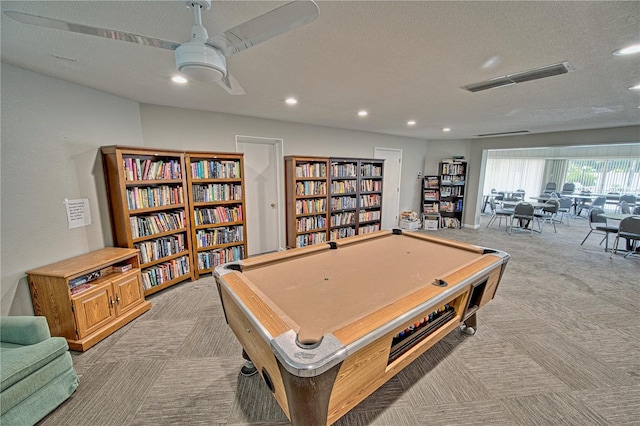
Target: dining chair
624 208
636 210
524 212
549 213
630 199
497 212
565 209
630 230
550 187
599 202
568 188
598 224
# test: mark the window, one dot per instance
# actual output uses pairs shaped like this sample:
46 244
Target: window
621 175
511 174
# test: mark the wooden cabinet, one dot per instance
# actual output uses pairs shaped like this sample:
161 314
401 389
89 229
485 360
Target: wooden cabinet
147 193
216 209
84 299
307 194
452 190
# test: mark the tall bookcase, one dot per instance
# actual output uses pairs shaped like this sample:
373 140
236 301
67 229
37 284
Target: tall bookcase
147 194
216 209
370 195
307 200
453 177
430 193
343 204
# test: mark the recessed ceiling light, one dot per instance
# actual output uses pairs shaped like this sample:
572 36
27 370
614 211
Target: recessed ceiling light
291 101
178 79
629 50
411 123
362 113
446 129
636 87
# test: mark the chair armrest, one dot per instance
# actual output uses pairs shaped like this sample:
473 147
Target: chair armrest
24 330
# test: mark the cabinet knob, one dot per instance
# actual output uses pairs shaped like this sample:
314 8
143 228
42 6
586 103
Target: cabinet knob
117 299
111 301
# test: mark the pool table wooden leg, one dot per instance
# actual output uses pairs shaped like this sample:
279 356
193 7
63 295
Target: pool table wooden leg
308 397
248 369
470 325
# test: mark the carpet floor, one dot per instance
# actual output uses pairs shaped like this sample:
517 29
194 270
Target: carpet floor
559 345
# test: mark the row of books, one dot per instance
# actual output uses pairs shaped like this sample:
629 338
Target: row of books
340 219
211 259
151 251
217 215
310 187
137 169
370 215
370 170
216 169
371 200
310 223
342 203
342 233
217 236
157 196
142 226
452 191
315 205
366 229
217 192
431 194
449 222
430 208
369 185
165 272
452 169
431 182
343 170
452 180
451 206
311 170
343 186
311 239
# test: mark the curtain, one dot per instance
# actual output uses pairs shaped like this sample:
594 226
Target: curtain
511 174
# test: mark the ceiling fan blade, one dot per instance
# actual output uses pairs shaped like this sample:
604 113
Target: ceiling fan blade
262 28
94 31
231 85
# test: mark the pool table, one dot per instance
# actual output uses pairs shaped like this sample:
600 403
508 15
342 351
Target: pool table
326 325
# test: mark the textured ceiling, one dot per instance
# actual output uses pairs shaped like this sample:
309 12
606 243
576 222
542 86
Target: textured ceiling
399 60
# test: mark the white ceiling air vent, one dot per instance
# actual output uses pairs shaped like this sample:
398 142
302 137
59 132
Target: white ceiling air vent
521 77
517 132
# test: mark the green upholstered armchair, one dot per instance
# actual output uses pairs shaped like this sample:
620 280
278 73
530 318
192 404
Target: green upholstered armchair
36 370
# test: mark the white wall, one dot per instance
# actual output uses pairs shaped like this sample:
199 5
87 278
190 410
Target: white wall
51 132
165 127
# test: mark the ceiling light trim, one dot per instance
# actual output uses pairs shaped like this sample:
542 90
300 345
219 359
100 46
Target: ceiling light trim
521 77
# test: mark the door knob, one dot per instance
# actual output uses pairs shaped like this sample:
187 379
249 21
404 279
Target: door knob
273 205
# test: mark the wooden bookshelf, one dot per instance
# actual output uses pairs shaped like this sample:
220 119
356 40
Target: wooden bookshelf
370 172
216 209
147 191
307 200
88 297
343 202
453 179
430 194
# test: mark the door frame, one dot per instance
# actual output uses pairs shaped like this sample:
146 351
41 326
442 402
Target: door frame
380 149
278 147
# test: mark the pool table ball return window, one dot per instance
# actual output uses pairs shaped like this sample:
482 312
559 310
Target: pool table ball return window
327 325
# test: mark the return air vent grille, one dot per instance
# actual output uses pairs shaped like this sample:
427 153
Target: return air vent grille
517 132
521 77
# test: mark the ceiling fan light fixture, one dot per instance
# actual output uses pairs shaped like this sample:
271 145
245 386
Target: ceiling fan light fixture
201 62
521 77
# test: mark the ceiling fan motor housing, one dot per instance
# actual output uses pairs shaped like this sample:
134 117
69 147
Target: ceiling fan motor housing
201 62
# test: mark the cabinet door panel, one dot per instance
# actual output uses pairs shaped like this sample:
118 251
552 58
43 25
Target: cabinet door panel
94 310
128 293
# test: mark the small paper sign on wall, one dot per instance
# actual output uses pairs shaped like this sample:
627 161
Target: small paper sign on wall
78 213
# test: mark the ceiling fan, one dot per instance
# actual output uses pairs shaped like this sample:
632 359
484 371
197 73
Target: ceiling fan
202 58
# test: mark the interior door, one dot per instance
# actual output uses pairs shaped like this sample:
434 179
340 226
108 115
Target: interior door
263 168
391 185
